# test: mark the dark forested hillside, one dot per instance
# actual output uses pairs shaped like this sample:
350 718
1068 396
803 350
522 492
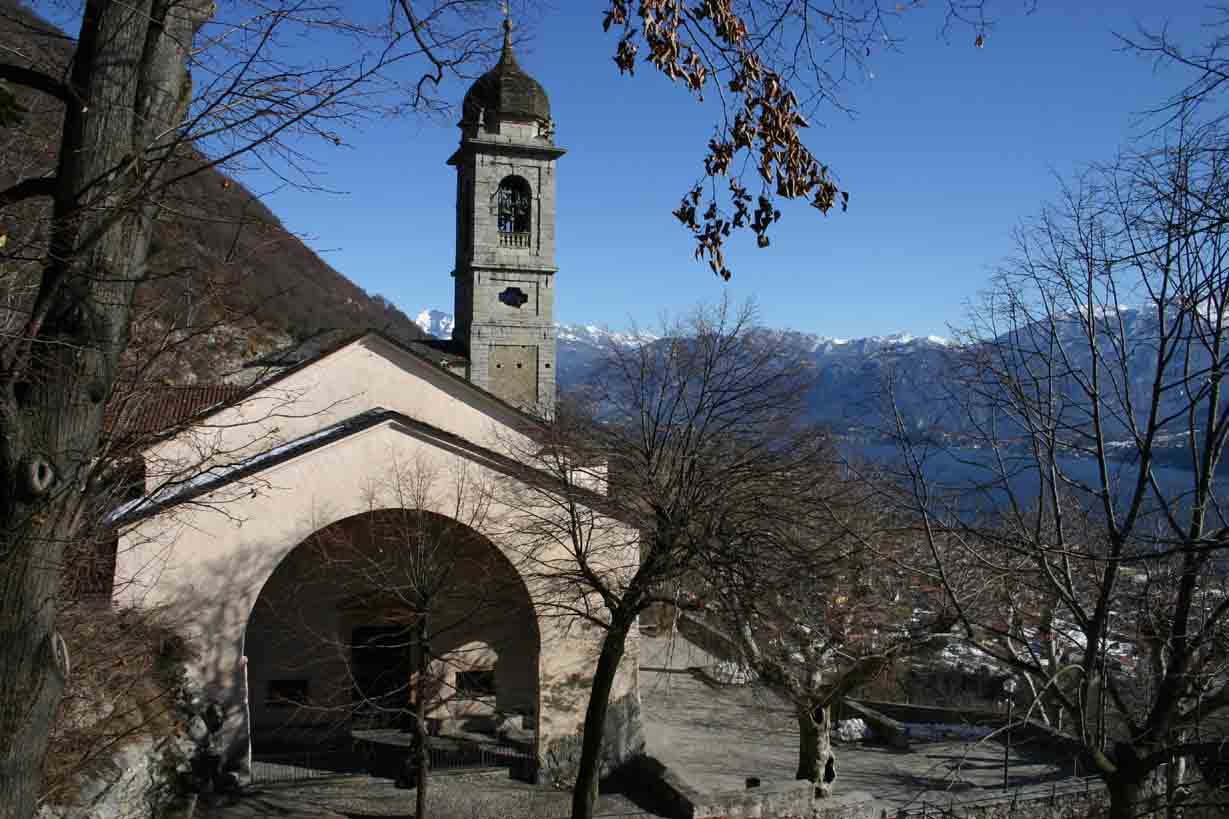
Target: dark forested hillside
221 262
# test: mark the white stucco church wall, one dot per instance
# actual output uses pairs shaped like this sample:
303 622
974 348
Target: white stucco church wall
205 564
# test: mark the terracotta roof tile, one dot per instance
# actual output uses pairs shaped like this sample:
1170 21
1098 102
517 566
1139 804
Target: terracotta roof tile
149 411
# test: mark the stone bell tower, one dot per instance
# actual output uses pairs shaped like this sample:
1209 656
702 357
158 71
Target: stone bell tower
505 265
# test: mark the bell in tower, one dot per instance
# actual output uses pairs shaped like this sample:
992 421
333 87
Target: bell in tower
505 264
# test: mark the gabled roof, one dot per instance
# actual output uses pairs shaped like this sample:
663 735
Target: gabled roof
444 355
445 352
174 408
217 477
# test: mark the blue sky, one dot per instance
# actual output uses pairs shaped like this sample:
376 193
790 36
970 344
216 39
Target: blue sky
949 148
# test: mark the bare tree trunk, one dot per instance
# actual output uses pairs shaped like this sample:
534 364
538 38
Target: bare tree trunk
420 721
1124 797
584 797
30 682
1137 798
816 761
1175 772
128 92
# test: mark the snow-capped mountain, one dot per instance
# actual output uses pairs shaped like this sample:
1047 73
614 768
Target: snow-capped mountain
851 374
435 323
438 324
864 385
592 335
849 370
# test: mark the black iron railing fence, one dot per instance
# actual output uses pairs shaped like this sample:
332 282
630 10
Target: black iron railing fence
296 766
389 761
1041 793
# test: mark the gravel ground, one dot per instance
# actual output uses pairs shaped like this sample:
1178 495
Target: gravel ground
451 796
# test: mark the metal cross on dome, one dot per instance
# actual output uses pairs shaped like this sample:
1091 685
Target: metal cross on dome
507 24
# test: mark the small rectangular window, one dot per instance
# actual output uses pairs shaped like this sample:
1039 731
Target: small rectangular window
476 683
286 693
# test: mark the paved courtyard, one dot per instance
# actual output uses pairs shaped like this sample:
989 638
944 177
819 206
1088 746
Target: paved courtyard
714 737
451 796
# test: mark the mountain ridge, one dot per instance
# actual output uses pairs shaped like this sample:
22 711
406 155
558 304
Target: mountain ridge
440 324
225 273
868 386
847 370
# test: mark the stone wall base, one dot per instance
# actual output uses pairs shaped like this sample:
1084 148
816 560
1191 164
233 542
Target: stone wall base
622 741
668 795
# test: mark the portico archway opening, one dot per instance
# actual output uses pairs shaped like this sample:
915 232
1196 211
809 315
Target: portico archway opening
342 626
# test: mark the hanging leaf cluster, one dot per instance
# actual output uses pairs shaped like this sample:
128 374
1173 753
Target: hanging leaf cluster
766 128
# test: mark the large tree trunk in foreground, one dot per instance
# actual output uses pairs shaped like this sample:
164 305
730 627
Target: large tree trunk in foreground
128 94
815 759
584 797
1136 798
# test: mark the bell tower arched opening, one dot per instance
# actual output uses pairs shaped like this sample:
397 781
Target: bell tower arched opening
514 212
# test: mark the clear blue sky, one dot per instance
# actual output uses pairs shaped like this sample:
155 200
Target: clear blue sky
949 148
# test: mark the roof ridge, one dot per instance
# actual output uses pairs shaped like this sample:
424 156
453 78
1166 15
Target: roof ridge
213 478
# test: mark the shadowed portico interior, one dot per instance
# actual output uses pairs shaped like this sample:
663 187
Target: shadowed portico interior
335 637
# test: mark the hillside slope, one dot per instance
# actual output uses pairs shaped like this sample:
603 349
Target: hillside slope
223 268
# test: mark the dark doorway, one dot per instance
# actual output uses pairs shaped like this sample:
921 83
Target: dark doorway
380 663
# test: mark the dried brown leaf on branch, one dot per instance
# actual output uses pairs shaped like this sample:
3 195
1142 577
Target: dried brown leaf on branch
771 64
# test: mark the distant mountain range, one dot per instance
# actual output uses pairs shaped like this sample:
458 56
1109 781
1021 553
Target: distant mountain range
851 395
850 371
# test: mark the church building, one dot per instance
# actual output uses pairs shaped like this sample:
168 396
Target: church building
358 514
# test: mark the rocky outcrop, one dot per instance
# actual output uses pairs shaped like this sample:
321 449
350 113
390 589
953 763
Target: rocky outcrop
131 784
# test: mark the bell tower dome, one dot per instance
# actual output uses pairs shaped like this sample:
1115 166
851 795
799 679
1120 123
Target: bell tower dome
505 261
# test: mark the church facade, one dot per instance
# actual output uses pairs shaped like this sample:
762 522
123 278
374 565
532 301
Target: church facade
358 515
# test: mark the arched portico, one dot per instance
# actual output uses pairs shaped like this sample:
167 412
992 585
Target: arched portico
334 637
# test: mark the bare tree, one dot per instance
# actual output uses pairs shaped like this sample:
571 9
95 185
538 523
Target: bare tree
815 609
1204 66
1091 383
685 432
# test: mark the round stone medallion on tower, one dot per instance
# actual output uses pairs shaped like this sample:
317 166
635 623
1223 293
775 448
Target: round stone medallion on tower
505 92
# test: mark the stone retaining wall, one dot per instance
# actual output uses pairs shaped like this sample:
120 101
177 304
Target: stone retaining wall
908 712
706 637
671 796
885 729
1025 733
1074 800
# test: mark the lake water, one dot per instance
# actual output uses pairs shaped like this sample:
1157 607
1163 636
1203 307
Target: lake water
973 475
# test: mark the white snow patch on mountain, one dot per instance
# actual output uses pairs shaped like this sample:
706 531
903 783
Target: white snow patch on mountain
435 323
439 324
